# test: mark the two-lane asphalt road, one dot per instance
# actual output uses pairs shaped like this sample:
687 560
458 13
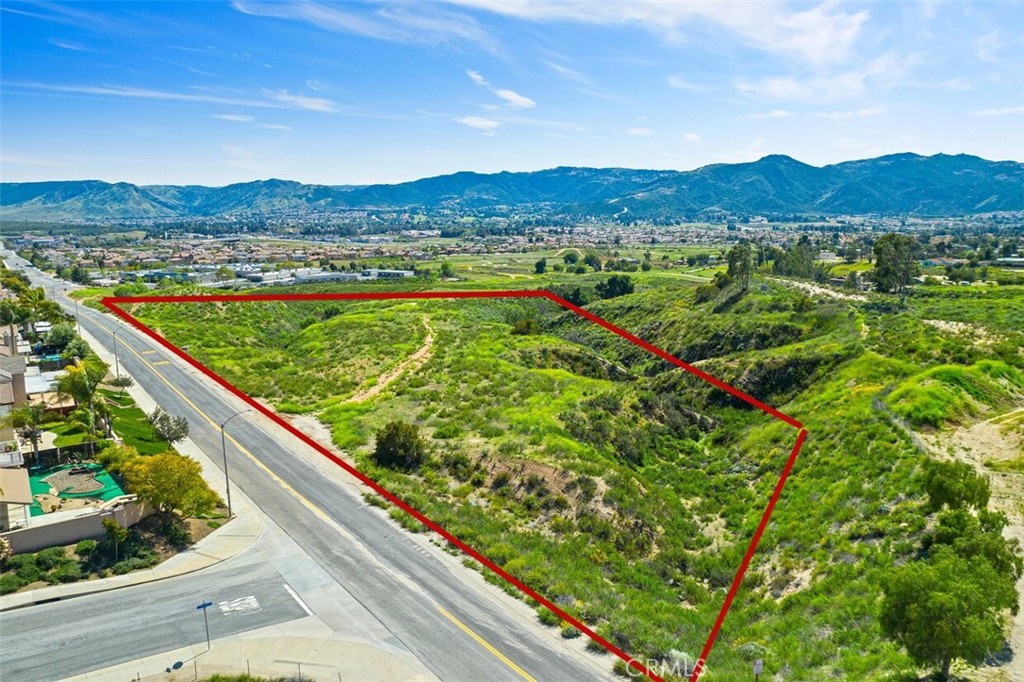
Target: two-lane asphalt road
457 628
93 632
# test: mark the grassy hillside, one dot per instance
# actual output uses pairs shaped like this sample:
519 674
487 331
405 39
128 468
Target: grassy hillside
626 490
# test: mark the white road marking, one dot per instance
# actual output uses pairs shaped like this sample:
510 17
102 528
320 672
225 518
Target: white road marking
242 605
295 596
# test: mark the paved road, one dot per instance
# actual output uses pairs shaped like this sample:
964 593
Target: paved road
244 598
413 593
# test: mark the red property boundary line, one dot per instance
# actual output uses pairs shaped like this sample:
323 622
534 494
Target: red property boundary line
114 303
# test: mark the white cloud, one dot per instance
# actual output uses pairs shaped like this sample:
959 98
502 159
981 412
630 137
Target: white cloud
511 98
691 137
645 132
1000 111
516 100
240 157
68 45
821 34
419 23
853 113
244 118
683 84
274 99
987 47
316 86
568 73
774 113
477 78
27 160
884 72
478 122
300 101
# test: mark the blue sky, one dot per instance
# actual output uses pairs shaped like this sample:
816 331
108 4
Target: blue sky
359 92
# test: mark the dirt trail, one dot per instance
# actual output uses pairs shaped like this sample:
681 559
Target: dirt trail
823 291
414 361
974 445
311 425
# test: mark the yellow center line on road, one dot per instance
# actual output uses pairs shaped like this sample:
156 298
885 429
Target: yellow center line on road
309 505
245 451
482 642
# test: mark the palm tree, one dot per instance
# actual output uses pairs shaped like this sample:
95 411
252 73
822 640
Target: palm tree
80 383
27 419
12 315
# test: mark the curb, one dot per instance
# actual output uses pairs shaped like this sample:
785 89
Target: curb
110 588
248 512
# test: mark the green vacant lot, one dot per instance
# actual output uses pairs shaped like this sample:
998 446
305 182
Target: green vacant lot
626 490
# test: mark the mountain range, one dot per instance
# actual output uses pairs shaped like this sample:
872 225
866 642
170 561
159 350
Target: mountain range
898 184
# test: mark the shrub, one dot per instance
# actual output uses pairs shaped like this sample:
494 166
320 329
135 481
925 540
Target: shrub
548 617
19 560
85 547
5 551
28 572
10 582
114 457
67 573
175 532
569 632
447 431
400 445
51 558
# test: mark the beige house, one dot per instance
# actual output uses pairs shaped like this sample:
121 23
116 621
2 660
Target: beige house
15 498
12 389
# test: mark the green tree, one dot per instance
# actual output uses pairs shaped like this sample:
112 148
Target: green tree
895 265
79 382
60 335
570 257
170 428
115 534
400 445
593 260
954 485
27 420
12 315
447 271
541 266
947 608
741 264
614 286
976 538
170 481
122 382
114 457
77 348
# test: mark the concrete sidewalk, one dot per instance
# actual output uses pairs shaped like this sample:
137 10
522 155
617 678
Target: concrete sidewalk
306 647
224 543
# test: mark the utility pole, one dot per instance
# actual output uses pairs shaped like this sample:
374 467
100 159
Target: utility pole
224 451
117 365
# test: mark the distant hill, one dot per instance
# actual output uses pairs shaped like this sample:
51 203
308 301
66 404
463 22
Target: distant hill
899 184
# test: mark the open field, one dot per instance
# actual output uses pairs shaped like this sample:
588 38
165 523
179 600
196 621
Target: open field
624 490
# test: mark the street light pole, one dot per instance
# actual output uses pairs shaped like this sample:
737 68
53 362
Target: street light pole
78 320
117 365
224 451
